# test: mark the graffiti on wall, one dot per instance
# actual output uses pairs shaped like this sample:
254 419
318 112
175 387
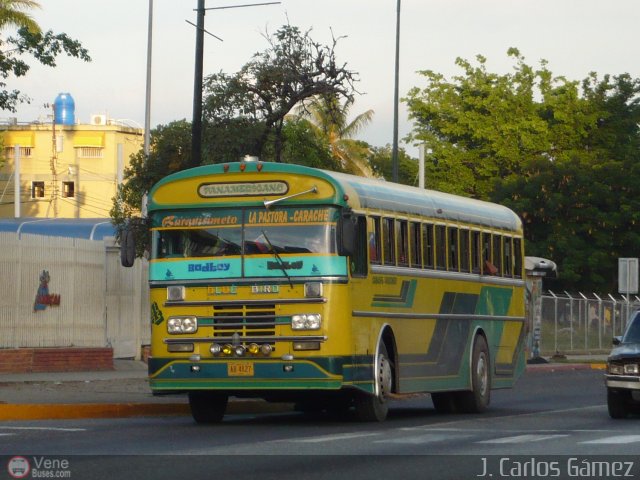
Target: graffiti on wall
45 299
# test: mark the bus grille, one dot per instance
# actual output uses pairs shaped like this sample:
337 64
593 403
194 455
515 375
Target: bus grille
245 320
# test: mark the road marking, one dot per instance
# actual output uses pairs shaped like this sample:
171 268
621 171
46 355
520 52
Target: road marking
6 434
522 439
618 439
427 438
333 438
53 429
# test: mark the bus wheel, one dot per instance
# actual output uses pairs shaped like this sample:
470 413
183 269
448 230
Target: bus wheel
207 407
374 408
617 404
478 398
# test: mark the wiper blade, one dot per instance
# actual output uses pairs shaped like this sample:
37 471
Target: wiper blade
278 258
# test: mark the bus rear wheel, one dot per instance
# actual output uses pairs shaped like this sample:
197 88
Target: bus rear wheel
208 407
477 400
374 408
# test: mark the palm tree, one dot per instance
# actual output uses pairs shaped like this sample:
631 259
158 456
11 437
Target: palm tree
12 13
328 118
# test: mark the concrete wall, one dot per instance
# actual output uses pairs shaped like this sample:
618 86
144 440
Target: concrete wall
92 301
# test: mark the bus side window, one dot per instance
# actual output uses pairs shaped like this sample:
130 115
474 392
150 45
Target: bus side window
453 249
517 256
507 257
403 243
497 253
427 245
359 259
441 247
487 266
416 245
389 241
464 250
373 231
476 251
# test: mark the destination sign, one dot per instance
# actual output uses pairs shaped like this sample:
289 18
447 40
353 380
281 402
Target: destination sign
242 189
303 215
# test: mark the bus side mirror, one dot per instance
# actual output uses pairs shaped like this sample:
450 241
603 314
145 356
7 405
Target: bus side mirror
347 235
127 247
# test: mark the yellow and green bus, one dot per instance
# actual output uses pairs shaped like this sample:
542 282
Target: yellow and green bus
332 291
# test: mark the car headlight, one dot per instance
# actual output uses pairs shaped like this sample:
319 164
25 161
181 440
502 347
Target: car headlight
615 369
631 369
182 325
306 321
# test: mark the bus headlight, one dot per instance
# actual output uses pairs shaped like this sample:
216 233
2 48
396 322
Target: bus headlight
306 321
182 325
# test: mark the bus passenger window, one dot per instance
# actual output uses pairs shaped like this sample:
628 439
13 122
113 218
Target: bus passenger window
453 249
475 251
373 231
464 250
389 241
359 259
416 245
403 243
497 254
507 257
441 247
517 257
427 243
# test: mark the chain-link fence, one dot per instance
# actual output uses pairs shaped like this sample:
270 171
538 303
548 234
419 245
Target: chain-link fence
576 323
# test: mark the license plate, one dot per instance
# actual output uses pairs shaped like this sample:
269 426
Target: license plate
240 369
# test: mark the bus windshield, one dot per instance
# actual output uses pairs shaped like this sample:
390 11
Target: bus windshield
254 235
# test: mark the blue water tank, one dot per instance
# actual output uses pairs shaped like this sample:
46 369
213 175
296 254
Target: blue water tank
65 109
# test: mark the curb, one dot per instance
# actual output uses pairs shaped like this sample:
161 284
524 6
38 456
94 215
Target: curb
558 367
67 411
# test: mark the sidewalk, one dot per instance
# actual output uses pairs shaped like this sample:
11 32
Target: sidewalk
125 392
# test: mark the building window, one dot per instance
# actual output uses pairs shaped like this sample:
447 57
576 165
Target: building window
68 189
89 152
37 189
9 152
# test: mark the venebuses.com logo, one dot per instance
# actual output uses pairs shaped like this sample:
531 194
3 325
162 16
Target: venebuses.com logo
38 467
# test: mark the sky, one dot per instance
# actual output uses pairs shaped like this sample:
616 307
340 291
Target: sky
575 36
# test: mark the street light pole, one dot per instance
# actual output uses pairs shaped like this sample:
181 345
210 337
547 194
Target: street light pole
196 124
147 108
394 151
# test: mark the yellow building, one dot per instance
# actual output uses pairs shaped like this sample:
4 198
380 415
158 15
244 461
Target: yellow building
65 171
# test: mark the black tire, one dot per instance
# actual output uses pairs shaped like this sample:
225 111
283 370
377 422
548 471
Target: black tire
477 400
374 408
617 403
444 402
208 407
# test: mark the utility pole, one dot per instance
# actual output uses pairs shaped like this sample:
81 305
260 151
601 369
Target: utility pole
147 108
196 124
394 151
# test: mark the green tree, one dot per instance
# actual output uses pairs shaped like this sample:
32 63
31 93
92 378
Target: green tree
293 69
380 160
563 154
329 119
44 47
169 152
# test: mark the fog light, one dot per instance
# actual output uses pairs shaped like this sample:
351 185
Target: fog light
254 349
215 349
287 368
239 351
227 350
266 349
195 368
